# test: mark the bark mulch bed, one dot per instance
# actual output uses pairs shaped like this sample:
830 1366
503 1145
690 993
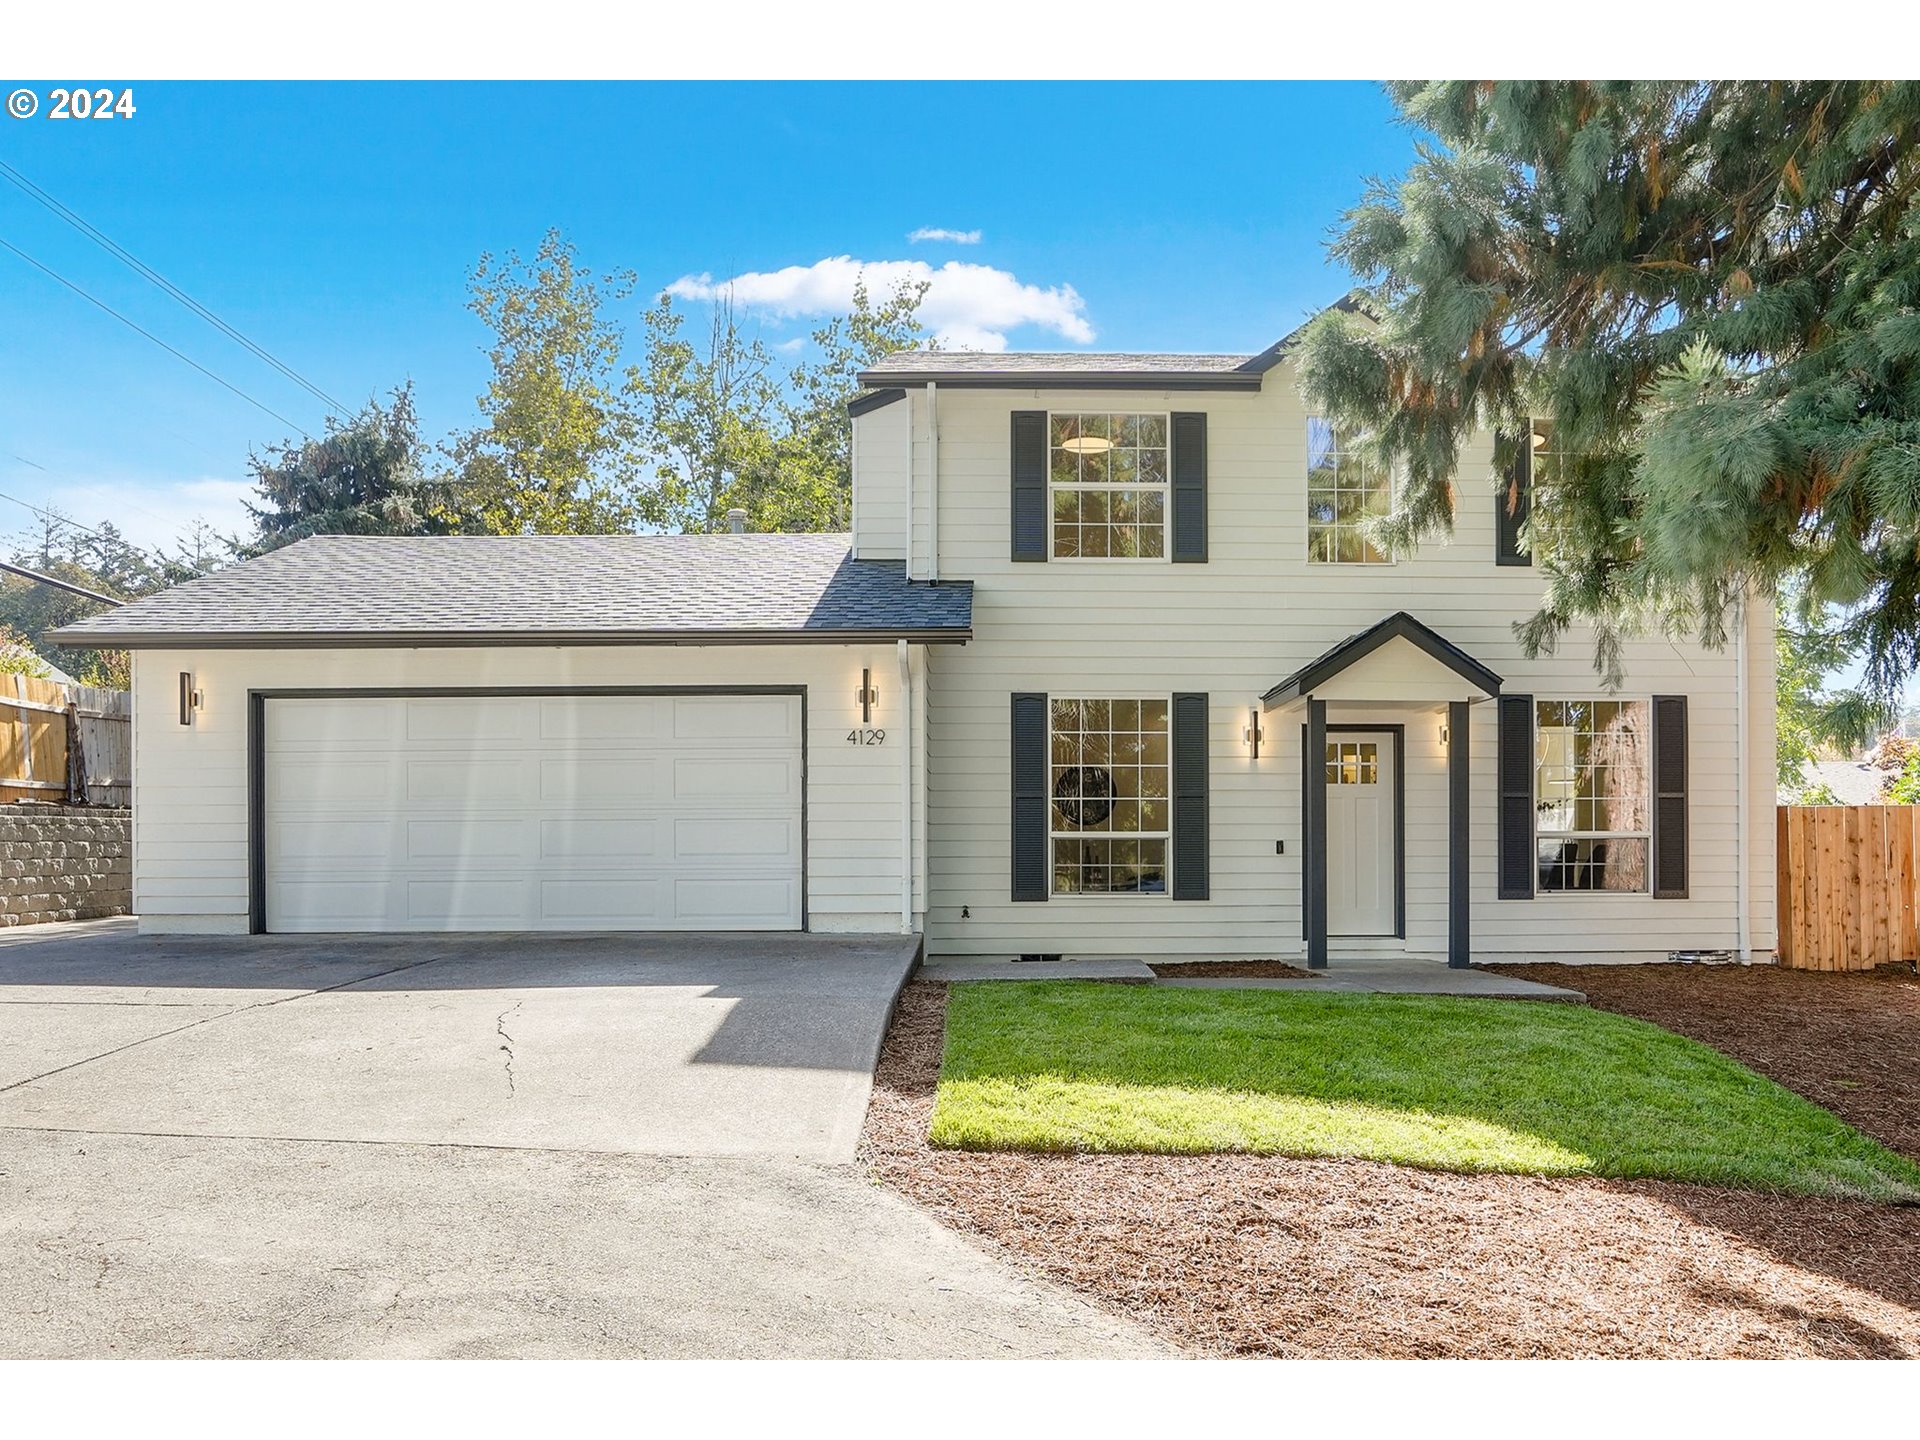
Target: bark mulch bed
1253 1255
1850 1042
1229 970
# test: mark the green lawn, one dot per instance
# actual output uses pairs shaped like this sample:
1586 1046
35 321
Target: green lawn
1470 1085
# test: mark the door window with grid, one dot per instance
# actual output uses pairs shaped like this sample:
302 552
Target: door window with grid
1593 794
1107 478
1353 763
1111 805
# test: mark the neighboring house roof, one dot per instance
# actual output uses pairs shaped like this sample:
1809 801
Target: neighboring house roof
45 668
1399 626
1087 369
1853 782
349 590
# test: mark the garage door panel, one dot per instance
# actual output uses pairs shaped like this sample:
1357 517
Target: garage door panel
302 780
738 838
732 777
323 838
596 782
465 719
330 904
578 838
534 813
601 904
367 722
768 718
479 780
470 839
610 717
722 904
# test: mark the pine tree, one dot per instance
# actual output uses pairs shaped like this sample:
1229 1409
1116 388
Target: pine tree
1712 289
363 477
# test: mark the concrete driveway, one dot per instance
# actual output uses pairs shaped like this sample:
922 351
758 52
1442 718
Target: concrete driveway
471 1145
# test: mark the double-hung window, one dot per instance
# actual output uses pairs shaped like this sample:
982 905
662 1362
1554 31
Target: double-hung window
1593 800
1107 481
1111 806
1346 488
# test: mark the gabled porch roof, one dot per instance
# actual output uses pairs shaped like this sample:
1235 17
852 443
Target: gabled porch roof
1433 657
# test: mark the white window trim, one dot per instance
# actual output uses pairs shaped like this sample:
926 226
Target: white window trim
1099 897
1165 557
1588 696
1393 500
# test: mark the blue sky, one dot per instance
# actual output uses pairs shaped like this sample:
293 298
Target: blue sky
335 225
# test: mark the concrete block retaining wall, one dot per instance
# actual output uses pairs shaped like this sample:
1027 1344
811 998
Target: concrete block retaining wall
64 863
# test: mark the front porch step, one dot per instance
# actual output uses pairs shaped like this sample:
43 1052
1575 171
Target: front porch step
952 972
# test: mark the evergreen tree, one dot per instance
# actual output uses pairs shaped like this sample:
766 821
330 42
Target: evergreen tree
1712 289
363 477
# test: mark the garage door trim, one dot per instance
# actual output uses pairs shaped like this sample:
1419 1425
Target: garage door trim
257 754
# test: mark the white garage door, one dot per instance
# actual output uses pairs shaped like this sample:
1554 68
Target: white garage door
545 812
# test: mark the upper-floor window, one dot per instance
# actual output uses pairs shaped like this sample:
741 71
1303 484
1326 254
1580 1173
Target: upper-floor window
1345 489
1593 793
1107 476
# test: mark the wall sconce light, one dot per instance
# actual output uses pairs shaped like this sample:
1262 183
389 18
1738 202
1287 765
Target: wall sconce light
867 696
190 698
1446 735
1253 734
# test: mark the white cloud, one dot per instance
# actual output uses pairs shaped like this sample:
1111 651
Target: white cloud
931 233
969 307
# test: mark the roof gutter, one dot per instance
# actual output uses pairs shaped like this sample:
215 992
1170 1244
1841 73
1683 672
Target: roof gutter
1061 380
104 639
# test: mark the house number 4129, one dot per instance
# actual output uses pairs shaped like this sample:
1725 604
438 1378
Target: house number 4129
864 736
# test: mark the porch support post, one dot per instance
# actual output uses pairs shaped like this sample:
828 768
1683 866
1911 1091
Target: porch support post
1313 897
1459 850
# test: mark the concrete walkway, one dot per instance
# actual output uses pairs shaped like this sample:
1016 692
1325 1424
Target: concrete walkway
1399 976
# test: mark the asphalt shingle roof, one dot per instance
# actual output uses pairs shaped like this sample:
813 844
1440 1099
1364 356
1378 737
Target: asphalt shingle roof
541 589
1013 369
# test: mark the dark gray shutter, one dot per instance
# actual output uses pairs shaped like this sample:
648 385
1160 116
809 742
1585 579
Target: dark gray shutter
1188 500
1514 766
1030 485
1513 455
1029 797
1670 797
1190 871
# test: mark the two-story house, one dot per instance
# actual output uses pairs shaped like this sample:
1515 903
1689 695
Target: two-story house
1108 667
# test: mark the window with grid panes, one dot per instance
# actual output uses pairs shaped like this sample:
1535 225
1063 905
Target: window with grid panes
1110 777
1345 489
1107 483
1593 794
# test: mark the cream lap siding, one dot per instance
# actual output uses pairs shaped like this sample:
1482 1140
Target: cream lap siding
1232 627
190 802
880 468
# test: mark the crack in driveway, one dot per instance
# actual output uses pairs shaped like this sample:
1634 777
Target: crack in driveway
500 1028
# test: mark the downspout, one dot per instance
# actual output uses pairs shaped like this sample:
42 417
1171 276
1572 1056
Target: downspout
906 787
1743 806
933 483
910 479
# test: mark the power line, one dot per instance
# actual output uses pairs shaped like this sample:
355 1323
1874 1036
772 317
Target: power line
146 271
227 384
60 584
152 562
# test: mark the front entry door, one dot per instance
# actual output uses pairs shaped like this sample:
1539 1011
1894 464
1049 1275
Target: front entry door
1363 857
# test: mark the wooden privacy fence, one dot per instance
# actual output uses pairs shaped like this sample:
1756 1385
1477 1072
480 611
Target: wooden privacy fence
65 743
1847 878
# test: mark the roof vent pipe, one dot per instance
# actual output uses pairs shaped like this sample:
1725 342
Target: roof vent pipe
737 521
